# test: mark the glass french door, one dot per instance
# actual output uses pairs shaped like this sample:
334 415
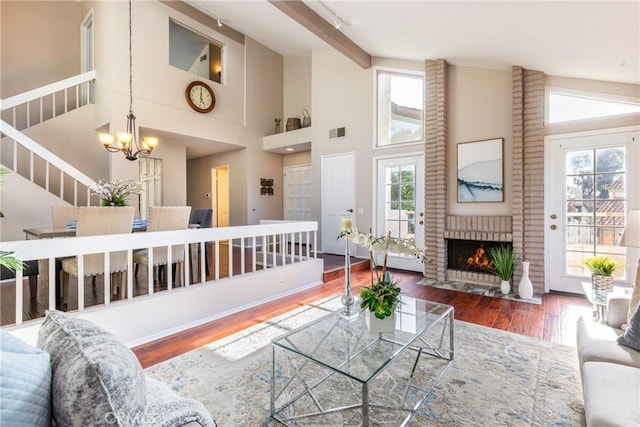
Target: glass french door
593 183
400 204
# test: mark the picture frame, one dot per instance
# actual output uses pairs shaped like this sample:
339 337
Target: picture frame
480 177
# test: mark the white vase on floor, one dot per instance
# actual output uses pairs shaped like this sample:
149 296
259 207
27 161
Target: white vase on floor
525 288
505 287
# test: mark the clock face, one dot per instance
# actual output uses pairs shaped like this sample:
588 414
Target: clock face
200 97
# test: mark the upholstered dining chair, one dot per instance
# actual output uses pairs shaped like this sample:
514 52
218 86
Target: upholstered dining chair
165 218
94 221
203 218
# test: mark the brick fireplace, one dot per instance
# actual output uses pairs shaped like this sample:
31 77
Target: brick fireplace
468 241
523 222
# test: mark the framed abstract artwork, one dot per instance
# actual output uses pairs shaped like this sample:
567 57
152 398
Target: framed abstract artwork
480 171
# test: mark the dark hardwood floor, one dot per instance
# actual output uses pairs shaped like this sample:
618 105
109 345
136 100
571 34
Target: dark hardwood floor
553 320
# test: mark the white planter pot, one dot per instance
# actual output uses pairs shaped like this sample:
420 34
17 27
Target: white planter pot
505 287
388 324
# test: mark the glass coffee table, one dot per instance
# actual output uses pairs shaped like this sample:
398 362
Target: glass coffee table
335 371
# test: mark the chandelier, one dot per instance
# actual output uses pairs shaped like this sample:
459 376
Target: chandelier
127 142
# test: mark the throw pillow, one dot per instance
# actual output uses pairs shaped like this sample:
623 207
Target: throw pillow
25 383
635 296
631 336
96 379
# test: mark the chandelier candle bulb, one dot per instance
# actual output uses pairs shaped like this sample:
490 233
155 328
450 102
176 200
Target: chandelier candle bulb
346 224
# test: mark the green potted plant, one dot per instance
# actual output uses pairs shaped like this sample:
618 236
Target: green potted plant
503 259
602 269
115 193
7 260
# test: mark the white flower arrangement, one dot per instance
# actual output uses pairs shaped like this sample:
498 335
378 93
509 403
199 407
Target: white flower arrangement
384 245
115 193
383 295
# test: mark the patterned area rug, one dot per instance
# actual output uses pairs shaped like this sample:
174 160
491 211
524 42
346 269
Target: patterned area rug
497 378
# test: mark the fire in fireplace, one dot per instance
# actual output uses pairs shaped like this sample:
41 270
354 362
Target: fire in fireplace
471 255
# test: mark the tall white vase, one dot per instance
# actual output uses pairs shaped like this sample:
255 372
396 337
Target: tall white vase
525 288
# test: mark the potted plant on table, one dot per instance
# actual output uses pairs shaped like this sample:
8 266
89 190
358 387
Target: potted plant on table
382 297
504 260
602 269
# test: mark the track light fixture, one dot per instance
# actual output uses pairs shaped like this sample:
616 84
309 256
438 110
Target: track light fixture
337 21
219 22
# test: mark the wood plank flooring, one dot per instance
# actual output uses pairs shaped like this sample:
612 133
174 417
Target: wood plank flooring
553 320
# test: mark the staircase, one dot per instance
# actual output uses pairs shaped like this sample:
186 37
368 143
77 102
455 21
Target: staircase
27 158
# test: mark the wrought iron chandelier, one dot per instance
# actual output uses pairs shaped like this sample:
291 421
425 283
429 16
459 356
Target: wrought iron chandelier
127 142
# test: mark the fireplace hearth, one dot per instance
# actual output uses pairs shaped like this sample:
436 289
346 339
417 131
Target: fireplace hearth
471 255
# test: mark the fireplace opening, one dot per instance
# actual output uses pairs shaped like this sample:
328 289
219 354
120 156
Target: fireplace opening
471 255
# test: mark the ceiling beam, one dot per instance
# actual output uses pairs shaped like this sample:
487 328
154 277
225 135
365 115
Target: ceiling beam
305 16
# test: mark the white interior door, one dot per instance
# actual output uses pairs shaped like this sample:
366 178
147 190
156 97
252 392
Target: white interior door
592 184
297 194
150 171
400 204
338 199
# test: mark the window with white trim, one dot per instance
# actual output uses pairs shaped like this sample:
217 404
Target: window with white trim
400 107
566 105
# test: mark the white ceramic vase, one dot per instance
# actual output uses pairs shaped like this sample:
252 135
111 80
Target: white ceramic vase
505 287
388 324
525 288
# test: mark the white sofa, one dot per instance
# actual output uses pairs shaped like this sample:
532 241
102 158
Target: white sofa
80 375
610 372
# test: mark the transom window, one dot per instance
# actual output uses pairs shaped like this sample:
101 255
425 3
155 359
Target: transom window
400 113
566 105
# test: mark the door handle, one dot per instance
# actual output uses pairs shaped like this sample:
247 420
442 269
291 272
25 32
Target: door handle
350 210
420 222
554 216
554 227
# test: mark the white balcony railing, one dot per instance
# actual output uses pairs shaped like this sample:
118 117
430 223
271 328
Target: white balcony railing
261 248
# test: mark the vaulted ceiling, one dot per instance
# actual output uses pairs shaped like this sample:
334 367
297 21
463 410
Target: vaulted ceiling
587 39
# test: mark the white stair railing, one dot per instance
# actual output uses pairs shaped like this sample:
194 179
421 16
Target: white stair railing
35 106
28 158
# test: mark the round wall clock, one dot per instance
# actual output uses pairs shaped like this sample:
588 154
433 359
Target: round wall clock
200 97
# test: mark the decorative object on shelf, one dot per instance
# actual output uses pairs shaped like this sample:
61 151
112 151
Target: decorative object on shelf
602 269
200 97
127 142
306 118
348 300
525 288
383 295
480 173
115 193
503 259
293 123
266 186
277 129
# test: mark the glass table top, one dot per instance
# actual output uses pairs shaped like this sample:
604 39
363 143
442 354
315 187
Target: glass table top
349 347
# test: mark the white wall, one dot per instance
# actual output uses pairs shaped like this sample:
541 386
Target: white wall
297 88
